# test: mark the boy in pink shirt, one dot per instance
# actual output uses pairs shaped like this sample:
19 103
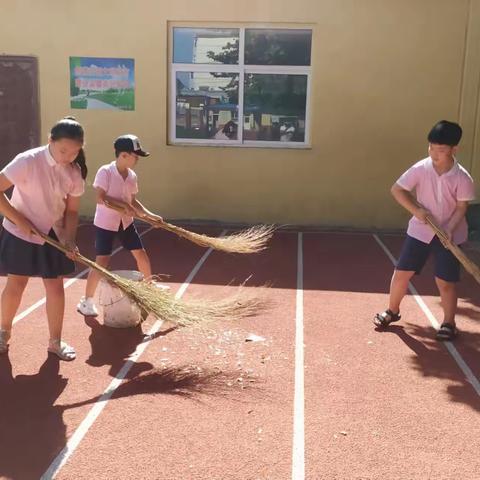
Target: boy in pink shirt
116 183
443 189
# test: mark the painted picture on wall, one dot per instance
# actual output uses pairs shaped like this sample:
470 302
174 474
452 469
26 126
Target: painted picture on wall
102 83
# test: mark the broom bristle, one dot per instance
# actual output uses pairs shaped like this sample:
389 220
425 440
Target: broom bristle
251 240
164 306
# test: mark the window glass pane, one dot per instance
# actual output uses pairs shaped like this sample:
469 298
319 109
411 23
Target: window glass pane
205 45
277 47
274 108
207 105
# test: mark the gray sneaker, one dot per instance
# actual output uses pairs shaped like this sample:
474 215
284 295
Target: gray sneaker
87 307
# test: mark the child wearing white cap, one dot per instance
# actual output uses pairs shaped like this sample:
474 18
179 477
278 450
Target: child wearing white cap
116 183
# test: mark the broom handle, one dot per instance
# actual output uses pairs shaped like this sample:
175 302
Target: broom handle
469 266
155 223
144 218
78 257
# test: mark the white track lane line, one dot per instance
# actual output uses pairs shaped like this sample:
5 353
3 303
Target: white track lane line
100 404
67 284
435 324
298 450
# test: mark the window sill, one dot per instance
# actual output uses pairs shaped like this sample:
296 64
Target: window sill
280 145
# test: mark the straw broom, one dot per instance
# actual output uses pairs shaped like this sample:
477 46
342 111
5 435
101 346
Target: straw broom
251 240
469 266
164 306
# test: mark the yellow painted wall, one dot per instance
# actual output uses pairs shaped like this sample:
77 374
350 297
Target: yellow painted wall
383 72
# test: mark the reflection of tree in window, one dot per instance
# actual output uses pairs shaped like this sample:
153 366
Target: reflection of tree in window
228 56
277 47
274 101
277 103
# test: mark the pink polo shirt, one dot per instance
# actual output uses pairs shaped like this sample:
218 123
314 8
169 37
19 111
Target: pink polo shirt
41 187
109 179
439 194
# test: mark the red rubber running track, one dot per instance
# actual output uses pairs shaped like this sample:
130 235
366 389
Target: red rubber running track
320 395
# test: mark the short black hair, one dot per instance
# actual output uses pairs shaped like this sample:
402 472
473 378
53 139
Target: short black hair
445 133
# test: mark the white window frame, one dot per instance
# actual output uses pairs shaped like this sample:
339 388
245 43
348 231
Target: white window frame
241 69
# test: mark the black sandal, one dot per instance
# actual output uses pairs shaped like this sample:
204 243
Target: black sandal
447 331
385 318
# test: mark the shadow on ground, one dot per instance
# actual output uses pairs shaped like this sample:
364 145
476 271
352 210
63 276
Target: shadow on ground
29 419
431 359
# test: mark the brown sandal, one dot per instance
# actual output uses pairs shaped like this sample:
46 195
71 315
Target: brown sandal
385 318
447 331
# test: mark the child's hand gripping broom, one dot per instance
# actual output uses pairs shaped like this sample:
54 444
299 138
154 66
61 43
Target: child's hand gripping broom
164 306
251 240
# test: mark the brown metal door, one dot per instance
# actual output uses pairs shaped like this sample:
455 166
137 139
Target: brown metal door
19 109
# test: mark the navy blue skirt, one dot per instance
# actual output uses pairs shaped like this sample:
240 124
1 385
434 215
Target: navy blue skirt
19 257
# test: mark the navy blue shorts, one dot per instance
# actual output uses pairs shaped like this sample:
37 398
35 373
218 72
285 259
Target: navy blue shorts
19 257
415 254
129 239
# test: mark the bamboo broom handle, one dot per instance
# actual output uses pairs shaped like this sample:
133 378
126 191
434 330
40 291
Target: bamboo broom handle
155 223
469 266
145 218
79 257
